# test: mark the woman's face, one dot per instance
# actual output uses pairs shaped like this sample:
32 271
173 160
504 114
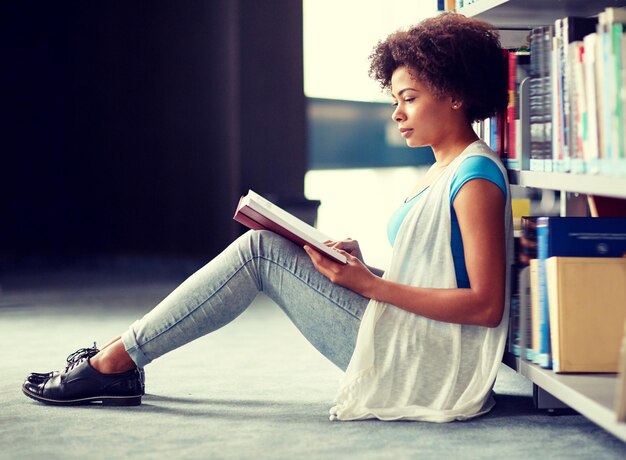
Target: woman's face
421 117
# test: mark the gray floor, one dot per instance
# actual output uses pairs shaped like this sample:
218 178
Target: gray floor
254 389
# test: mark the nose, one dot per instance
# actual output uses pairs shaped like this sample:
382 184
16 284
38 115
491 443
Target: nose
398 114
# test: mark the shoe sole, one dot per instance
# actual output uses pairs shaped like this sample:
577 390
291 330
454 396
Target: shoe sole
104 400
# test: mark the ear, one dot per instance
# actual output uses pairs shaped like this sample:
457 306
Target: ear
456 104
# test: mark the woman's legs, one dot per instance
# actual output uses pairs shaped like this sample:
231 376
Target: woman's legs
328 316
260 261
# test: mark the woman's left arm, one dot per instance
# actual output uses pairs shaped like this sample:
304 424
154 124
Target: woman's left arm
479 207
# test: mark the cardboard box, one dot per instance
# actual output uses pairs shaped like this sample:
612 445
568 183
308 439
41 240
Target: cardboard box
620 387
587 308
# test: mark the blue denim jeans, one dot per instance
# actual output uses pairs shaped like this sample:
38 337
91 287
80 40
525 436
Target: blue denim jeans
259 261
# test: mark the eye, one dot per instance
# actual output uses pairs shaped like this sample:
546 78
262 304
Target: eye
408 100
394 104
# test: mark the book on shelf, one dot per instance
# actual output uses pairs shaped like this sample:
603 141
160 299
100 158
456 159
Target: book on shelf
540 99
591 141
522 322
566 31
577 82
258 213
604 206
518 70
498 122
528 240
525 249
586 296
610 32
534 347
577 92
446 5
571 237
578 107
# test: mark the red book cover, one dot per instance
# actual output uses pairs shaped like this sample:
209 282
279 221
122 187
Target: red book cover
501 130
510 108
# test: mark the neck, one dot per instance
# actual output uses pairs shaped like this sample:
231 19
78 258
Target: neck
453 145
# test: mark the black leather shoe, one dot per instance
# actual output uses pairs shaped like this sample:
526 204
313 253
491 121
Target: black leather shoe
82 384
76 357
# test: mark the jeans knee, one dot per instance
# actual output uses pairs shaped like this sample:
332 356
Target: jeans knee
254 241
263 243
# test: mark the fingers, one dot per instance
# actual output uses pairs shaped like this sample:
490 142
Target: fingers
313 254
322 264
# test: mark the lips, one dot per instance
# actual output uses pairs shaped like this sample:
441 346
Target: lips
406 132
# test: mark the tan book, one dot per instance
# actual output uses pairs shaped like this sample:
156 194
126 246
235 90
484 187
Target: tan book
620 388
587 303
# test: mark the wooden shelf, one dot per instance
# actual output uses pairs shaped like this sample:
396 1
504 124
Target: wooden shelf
614 186
531 13
592 395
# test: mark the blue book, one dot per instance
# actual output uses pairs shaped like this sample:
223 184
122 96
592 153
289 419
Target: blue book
573 237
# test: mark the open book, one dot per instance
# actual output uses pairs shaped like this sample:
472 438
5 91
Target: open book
258 213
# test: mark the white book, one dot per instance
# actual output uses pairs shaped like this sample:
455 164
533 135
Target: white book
259 213
591 142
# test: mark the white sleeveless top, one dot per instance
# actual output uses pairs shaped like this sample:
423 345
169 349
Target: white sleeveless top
406 366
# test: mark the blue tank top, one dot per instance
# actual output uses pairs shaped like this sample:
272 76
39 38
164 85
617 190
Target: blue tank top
474 167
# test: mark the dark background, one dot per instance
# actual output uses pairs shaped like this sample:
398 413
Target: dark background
134 126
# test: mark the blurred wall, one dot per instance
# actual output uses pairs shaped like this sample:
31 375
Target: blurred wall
133 126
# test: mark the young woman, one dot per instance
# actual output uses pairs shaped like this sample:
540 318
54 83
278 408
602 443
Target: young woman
421 342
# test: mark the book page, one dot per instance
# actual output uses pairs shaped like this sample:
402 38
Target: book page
289 218
305 232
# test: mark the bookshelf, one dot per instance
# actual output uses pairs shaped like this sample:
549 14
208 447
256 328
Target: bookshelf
530 13
592 395
613 186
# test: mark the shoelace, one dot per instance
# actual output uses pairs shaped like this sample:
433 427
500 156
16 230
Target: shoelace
80 355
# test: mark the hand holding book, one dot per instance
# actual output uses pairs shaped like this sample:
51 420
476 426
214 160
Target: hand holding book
353 275
348 245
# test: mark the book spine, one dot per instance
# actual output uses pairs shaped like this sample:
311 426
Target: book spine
573 30
578 107
522 70
622 101
501 117
510 109
514 312
610 32
606 150
520 318
563 162
557 97
543 242
535 98
535 310
525 314
617 33
553 286
548 103
591 142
